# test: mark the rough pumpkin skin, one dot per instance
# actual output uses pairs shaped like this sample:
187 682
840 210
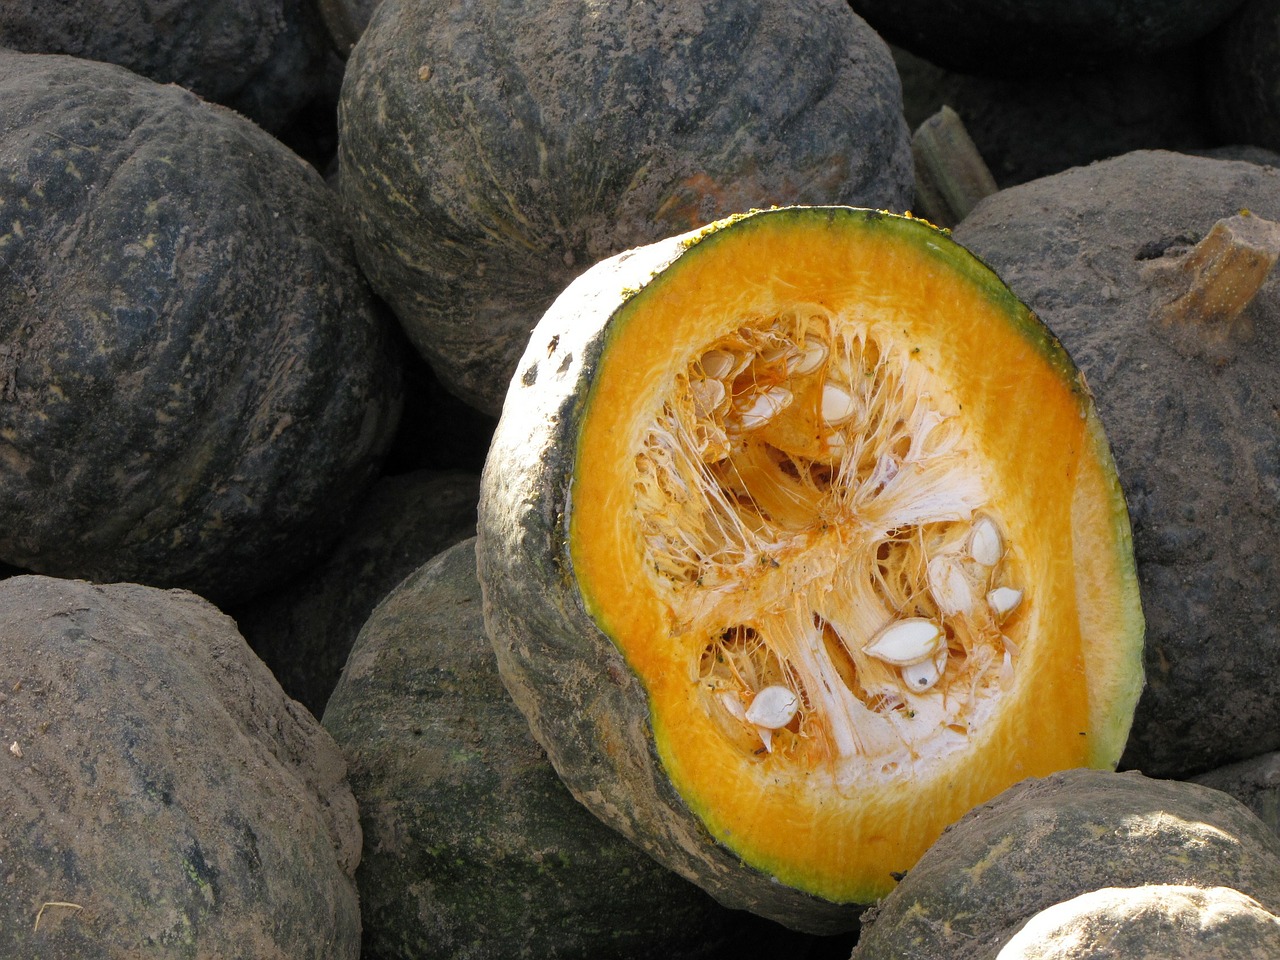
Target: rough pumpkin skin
589 703
195 381
263 58
1047 840
474 848
1190 411
489 152
162 797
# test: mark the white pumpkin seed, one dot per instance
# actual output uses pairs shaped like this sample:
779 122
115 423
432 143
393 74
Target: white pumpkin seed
838 404
764 407
808 359
922 676
949 586
905 642
708 395
1003 601
986 546
773 707
718 364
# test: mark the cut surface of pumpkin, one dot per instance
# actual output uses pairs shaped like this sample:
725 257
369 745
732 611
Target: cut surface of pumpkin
842 504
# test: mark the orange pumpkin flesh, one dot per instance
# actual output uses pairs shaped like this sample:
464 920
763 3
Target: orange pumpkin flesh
811 426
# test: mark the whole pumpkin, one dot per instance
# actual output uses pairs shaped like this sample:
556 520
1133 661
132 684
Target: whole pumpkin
491 151
1047 841
785 567
196 383
162 797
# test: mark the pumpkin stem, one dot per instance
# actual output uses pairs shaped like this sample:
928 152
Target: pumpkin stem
951 176
1220 276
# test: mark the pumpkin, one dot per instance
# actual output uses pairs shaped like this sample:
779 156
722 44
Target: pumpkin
162 796
1040 36
1047 841
473 846
196 384
1254 782
305 628
1188 394
799 537
489 152
264 58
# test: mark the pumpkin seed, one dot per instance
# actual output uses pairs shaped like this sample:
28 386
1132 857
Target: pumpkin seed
1003 601
986 546
766 405
773 707
949 586
838 404
922 676
904 643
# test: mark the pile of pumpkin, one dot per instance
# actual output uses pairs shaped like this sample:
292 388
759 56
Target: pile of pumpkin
689 551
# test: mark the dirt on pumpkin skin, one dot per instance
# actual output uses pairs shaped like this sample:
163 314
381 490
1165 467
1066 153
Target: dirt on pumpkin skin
161 796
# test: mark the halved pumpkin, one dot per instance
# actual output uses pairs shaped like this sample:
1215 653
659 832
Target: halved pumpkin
799 537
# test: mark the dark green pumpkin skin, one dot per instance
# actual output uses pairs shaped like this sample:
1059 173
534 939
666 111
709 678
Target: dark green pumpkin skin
305 629
195 381
491 151
163 785
473 846
1038 36
1047 840
264 58
1192 423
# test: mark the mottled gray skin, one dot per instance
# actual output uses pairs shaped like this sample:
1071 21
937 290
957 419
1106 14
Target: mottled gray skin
1153 922
1254 782
195 384
583 702
474 848
1037 36
155 777
305 629
1191 420
490 151
264 58
1047 840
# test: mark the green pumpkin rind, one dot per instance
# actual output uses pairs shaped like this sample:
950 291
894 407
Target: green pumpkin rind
489 153
197 382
